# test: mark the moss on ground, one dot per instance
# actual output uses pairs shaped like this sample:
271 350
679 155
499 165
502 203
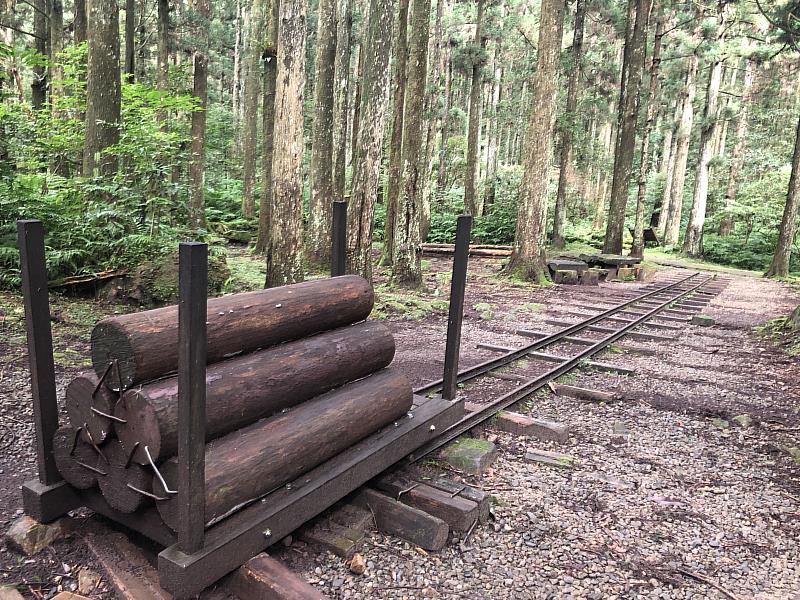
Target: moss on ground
404 304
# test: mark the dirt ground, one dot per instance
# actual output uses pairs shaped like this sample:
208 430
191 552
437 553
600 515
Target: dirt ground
670 497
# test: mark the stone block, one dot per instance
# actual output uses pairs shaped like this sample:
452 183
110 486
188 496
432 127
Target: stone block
590 277
541 429
31 537
565 277
69 596
554 459
702 320
10 593
470 455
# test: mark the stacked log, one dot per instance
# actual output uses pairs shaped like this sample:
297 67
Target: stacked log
295 376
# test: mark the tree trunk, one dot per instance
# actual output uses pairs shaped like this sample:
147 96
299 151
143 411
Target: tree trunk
370 142
495 131
783 249
252 92
321 173
79 25
130 39
102 88
58 163
637 247
202 15
344 35
285 250
162 74
236 90
407 265
142 43
268 127
441 174
682 139
632 67
739 145
472 197
668 166
693 240
246 388
568 125
356 119
39 79
528 257
395 167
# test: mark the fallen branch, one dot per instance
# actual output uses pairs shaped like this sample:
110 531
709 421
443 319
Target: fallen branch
707 581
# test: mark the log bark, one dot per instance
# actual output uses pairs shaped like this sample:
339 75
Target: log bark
145 344
257 459
76 464
121 478
242 390
88 409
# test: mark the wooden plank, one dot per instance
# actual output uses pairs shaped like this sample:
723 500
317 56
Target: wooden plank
598 366
337 539
339 239
455 316
406 522
264 578
481 498
256 527
145 521
542 429
580 393
33 268
193 283
459 513
632 334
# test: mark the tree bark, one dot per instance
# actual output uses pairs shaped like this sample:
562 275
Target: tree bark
162 74
495 131
632 67
268 127
568 125
344 35
395 167
201 10
370 143
244 389
130 39
472 197
80 24
102 88
285 249
786 235
321 171
528 257
255 460
693 240
407 265
637 247
737 156
682 139
441 174
39 79
668 166
252 92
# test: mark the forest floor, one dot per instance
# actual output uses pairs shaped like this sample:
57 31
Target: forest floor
668 490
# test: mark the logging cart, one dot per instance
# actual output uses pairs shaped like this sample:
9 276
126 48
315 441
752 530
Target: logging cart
216 427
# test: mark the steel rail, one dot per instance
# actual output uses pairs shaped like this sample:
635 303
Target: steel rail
532 385
489 365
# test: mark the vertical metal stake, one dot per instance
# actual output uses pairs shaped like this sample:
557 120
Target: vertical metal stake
339 239
458 285
193 284
30 239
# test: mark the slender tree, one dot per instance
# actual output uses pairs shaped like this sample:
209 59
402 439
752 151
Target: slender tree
632 67
253 49
344 33
39 80
407 265
285 249
527 258
569 123
79 23
693 240
370 141
321 172
788 230
130 39
395 167
103 87
201 14
472 198
162 71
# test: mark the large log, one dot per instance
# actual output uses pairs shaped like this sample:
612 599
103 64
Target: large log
262 457
126 486
76 460
247 388
88 405
145 344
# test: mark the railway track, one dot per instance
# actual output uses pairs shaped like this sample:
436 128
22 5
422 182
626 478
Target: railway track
643 310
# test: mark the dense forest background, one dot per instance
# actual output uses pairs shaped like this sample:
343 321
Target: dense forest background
128 127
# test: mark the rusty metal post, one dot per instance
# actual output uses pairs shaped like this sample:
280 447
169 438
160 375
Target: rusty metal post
30 239
339 239
458 286
193 286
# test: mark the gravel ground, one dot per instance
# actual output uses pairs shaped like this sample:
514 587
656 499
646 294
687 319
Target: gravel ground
662 498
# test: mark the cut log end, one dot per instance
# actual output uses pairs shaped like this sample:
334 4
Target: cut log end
121 479
75 460
141 429
87 409
111 344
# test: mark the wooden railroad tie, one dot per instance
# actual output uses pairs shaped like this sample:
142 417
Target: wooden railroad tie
638 335
581 342
598 366
580 393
